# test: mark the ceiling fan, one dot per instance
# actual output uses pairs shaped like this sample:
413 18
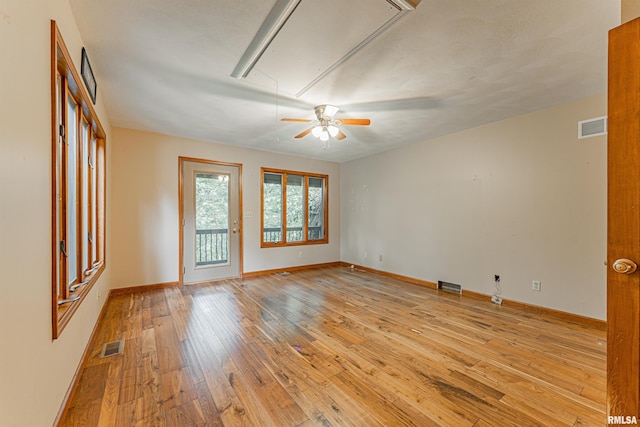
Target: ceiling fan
327 126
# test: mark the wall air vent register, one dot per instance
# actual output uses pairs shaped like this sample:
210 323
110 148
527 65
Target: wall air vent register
592 127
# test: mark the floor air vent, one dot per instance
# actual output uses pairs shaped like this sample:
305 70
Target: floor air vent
449 287
112 348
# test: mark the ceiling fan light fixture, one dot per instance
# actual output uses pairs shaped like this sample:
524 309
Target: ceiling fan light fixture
330 110
326 127
326 111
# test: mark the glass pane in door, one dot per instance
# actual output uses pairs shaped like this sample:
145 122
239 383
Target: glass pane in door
212 219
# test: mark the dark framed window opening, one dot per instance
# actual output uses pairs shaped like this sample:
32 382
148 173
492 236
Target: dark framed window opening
294 208
78 188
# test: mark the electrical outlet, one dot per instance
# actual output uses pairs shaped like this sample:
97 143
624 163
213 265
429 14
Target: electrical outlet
299 254
380 257
535 285
365 254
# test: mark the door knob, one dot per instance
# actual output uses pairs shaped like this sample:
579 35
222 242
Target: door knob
624 266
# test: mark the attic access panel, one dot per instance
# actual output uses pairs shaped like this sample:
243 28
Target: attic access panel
319 36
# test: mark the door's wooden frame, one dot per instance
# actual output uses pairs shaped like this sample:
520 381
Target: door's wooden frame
181 161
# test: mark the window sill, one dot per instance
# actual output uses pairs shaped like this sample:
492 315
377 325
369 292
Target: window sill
64 312
282 245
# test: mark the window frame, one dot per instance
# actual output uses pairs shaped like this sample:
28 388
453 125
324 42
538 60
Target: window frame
305 225
90 171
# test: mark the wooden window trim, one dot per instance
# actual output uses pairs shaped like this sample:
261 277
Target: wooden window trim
65 74
325 196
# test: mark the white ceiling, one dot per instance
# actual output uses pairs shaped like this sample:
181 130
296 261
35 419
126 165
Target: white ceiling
164 66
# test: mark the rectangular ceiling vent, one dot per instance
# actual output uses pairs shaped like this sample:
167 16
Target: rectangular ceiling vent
592 127
449 287
112 348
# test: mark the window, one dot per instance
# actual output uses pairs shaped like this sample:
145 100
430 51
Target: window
294 208
78 188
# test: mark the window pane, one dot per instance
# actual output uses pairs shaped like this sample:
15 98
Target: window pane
212 219
295 208
272 208
85 196
72 196
58 195
316 209
94 198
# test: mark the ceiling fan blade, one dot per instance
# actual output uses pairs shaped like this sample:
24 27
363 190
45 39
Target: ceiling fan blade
303 133
286 119
340 136
359 122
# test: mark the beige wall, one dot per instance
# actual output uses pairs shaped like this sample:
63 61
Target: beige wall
522 198
145 206
630 10
35 372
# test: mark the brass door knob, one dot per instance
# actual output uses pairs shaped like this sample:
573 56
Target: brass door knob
624 266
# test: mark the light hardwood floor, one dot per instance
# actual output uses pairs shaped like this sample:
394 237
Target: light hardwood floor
336 347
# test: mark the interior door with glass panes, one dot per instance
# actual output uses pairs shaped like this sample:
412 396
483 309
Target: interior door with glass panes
211 221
